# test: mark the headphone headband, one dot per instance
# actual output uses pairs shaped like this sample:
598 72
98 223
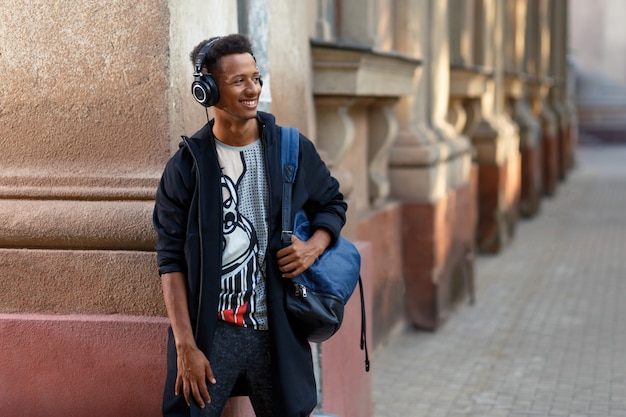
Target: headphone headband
202 55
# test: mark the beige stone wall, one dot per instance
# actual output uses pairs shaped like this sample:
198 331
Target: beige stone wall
84 105
94 99
291 27
84 88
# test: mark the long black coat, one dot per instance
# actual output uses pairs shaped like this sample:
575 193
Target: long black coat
189 228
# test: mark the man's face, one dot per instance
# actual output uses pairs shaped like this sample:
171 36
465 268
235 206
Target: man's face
239 87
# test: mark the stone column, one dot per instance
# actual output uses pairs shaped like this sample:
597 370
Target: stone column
558 93
415 157
85 137
253 22
359 22
518 107
570 94
496 137
94 99
467 80
538 59
430 171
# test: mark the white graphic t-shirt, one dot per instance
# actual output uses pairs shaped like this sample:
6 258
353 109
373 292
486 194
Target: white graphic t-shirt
245 193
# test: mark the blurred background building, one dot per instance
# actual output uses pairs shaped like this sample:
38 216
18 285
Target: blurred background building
444 120
598 53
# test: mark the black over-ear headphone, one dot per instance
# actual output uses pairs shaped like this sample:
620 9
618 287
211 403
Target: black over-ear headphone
204 87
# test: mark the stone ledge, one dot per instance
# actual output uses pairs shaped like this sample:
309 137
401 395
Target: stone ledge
354 70
70 224
515 84
50 186
468 81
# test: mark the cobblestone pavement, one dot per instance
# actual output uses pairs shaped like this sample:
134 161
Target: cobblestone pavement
547 335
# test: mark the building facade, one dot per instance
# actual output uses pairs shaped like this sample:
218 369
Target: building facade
444 120
598 53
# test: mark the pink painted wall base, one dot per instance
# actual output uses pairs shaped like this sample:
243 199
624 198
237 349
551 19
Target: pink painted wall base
81 365
114 365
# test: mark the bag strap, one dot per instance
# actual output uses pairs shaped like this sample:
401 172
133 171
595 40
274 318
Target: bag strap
363 327
289 149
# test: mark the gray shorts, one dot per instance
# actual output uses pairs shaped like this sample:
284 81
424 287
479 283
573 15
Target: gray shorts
240 355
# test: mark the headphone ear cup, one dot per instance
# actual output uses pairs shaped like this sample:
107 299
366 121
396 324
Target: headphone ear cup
204 90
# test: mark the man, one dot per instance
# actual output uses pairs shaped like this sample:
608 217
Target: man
217 217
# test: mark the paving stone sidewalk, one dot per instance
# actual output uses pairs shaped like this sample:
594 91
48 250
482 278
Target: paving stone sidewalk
547 335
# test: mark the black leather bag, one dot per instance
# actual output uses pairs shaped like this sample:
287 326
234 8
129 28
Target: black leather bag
316 298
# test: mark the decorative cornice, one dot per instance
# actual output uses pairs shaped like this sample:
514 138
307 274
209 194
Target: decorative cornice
78 188
468 81
342 69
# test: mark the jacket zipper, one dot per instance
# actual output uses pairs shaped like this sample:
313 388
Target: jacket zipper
195 160
200 238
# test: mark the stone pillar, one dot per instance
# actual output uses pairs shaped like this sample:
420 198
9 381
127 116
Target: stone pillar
518 107
359 22
430 172
558 93
496 137
571 96
85 136
467 80
253 22
94 99
538 59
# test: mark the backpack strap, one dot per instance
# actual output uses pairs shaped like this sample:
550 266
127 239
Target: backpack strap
364 327
289 149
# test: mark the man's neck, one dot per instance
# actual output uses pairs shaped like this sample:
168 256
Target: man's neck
240 133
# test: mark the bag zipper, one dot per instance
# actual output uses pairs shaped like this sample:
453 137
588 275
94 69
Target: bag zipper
299 290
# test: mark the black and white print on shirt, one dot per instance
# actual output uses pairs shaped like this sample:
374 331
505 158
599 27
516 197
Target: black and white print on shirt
244 191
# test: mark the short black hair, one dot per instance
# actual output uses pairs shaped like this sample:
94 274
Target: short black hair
225 45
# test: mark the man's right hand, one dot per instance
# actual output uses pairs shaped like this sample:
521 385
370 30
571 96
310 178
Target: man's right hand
194 370
193 367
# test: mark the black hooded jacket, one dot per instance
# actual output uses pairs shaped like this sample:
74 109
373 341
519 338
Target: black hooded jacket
188 221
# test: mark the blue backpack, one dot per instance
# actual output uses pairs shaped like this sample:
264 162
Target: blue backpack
316 298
